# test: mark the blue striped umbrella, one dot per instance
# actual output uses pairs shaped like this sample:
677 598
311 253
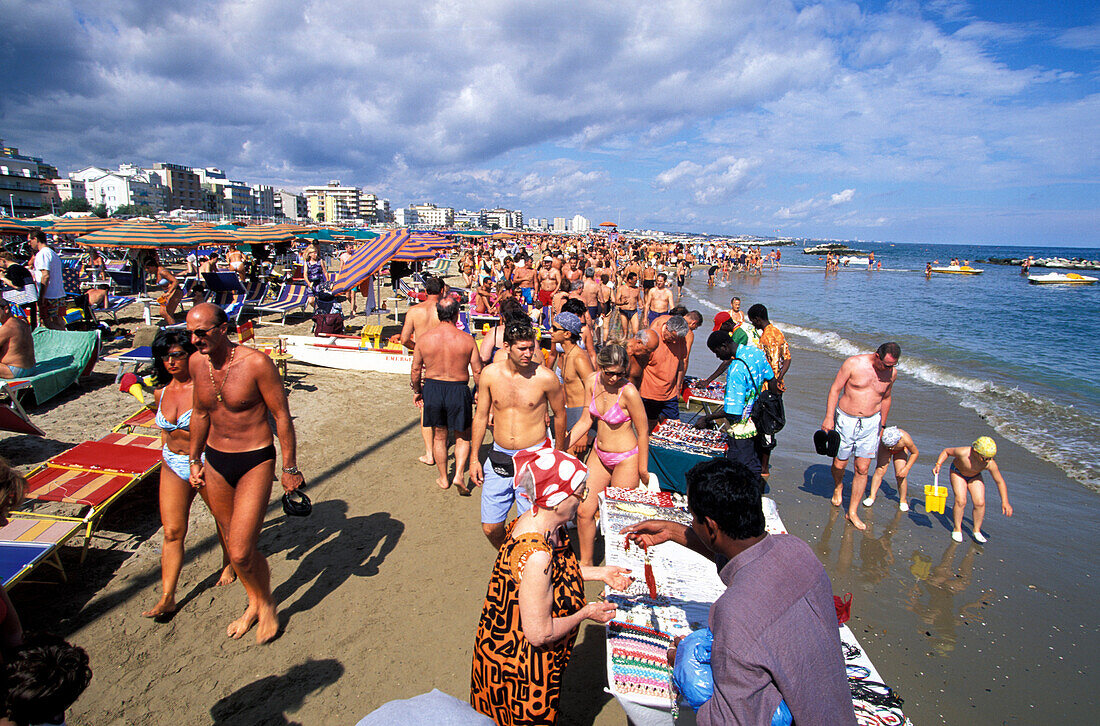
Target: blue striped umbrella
368 259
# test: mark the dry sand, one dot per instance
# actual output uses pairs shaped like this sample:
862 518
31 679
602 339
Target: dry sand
379 590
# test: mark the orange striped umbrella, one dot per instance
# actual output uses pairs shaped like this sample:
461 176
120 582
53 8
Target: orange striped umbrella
82 225
199 236
14 226
263 234
137 234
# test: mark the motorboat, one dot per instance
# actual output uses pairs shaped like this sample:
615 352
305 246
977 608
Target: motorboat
348 353
958 270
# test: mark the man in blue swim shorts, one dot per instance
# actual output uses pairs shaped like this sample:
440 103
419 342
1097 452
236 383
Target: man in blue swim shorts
520 393
859 402
16 345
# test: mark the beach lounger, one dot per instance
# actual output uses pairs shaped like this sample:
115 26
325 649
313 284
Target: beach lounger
438 267
12 416
143 420
63 357
92 476
135 357
144 440
292 297
26 542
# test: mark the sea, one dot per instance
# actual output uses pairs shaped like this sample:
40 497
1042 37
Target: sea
1025 357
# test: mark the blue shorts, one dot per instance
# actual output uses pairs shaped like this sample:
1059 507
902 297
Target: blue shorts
528 294
661 410
498 493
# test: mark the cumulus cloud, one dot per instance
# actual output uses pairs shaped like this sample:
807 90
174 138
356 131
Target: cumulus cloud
707 104
815 204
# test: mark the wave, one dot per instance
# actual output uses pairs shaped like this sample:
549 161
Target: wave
1060 434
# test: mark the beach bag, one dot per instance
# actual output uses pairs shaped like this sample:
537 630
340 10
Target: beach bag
767 414
328 324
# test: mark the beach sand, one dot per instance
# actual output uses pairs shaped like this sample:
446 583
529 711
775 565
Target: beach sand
380 590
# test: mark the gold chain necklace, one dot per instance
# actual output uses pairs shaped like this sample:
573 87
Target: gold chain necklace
214 383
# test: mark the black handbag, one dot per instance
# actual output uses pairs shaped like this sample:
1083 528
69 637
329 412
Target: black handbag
768 414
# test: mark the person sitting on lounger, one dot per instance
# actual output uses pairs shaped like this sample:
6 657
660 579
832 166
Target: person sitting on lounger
16 345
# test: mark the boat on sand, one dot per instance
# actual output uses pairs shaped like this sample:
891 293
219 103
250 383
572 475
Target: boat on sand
347 352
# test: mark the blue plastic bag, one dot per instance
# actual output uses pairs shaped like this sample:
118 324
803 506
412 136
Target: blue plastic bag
782 715
691 673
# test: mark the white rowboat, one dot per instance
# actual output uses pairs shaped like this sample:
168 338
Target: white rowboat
344 352
958 270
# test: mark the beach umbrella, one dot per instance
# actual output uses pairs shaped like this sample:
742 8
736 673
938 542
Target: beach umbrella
200 236
137 234
413 249
9 225
608 224
432 239
368 259
82 225
263 234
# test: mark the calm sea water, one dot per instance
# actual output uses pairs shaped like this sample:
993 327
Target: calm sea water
1025 357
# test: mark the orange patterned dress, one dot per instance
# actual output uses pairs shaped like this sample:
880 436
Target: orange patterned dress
512 681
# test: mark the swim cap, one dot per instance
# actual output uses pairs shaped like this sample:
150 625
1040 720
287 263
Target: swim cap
985 446
891 435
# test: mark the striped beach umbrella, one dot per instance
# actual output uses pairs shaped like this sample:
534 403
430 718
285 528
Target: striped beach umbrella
263 234
413 249
368 259
82 225
137 234
199 236
8 225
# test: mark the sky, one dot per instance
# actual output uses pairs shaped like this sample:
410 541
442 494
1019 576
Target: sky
936 122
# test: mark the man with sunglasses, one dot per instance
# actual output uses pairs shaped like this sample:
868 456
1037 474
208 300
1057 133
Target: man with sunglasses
859 402
233 453
520 393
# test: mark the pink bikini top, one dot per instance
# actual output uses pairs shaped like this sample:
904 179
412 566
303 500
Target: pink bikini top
615 414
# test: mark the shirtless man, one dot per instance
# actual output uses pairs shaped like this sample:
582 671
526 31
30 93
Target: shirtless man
649 276
658 300
590 294
858 404
549 282
442 389
419 319
681 277
520 393
524 279
640 347
967 465
626 299
575 367
603 300
236 388
16 345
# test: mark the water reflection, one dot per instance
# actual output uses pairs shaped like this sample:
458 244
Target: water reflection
932 597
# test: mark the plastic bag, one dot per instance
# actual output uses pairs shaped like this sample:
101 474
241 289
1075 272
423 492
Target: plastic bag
691 673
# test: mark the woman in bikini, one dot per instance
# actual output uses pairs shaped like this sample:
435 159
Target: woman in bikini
171 351
622 438
172 293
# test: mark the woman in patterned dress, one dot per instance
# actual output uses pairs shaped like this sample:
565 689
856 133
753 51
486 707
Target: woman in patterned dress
535 601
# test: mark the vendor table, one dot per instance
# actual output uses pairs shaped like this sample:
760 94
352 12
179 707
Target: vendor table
685 584
675 447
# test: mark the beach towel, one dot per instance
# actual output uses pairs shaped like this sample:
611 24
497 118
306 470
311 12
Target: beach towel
62 356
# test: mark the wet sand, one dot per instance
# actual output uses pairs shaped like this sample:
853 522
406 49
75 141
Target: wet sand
381 588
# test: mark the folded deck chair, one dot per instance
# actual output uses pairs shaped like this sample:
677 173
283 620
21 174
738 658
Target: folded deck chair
13 417
292 297
115 303
91 475
144 420
26 542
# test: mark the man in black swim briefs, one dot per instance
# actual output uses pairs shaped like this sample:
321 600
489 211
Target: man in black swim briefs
233 452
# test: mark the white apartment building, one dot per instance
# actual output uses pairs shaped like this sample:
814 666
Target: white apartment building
469 218
114 189
263 200
503 218
561 224
429 215
405 217
580 224
290 205
332 202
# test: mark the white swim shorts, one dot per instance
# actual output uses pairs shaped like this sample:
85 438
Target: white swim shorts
858 435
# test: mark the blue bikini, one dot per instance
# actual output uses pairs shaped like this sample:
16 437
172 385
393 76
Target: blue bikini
179 463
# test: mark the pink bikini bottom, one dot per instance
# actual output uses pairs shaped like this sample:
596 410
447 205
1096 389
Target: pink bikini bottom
610 459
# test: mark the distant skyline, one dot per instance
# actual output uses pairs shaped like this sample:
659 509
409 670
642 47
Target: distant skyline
931 122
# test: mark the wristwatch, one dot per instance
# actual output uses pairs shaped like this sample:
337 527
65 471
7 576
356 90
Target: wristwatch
291 470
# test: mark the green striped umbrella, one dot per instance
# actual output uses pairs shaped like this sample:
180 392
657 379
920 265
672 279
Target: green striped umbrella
137 234
82 225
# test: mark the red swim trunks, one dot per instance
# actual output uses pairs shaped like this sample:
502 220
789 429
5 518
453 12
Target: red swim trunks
546 297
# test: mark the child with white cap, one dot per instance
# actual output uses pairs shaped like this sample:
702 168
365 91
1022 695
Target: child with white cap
966 476
895 445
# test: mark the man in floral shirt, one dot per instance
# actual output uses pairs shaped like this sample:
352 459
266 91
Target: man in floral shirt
778 353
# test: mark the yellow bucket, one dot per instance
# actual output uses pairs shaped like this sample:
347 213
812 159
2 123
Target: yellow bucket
935 497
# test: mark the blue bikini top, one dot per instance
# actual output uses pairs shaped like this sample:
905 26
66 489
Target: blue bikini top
183 423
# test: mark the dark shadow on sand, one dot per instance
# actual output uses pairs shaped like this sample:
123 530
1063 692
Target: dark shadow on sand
582 688
266 701
330 548
818 480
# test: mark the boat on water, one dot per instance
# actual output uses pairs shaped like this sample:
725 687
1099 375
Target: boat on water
346 352
1061 278
958 270
856 261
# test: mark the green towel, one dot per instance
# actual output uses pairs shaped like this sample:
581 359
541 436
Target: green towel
61 356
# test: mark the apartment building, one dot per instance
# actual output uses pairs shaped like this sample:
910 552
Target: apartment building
332 202
184 188
429 215
290 205
21 192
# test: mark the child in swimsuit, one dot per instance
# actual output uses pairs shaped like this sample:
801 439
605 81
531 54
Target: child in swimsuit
622 438
966 476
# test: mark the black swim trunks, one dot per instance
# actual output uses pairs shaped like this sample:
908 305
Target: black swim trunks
448 404
648 284
233 465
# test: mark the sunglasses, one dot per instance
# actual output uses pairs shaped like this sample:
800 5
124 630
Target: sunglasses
175 355
203 332
616 374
